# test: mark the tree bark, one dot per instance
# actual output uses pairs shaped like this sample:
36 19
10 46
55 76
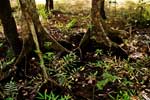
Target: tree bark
9 25
39 35
49 5
97 30
29 8
100 32
102 9
98 23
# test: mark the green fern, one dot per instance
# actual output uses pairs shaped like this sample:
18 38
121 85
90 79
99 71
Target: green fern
10 89
123 95
9 98
51 96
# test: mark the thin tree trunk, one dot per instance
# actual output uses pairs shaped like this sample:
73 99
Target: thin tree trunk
49 5
102 9
9 26
46 5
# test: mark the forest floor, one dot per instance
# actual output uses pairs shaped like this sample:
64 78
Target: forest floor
99 76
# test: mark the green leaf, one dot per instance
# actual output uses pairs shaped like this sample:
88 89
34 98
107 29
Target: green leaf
112 98
110 77
9 98
107 77
47 45
41 96
11 61
101 84
71 24
1 44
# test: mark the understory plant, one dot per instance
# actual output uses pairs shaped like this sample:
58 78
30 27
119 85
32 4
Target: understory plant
62 69
41 11
107 77
52 96
123 95
11 90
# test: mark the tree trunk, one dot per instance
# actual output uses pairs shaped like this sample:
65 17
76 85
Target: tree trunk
49 5
102 9
98 23
100 33
29 8
39 35
104 32
97 31
9 26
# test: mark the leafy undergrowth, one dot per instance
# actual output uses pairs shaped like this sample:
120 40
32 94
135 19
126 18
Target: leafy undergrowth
99 76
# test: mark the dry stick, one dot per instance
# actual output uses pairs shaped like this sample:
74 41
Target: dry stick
130 31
